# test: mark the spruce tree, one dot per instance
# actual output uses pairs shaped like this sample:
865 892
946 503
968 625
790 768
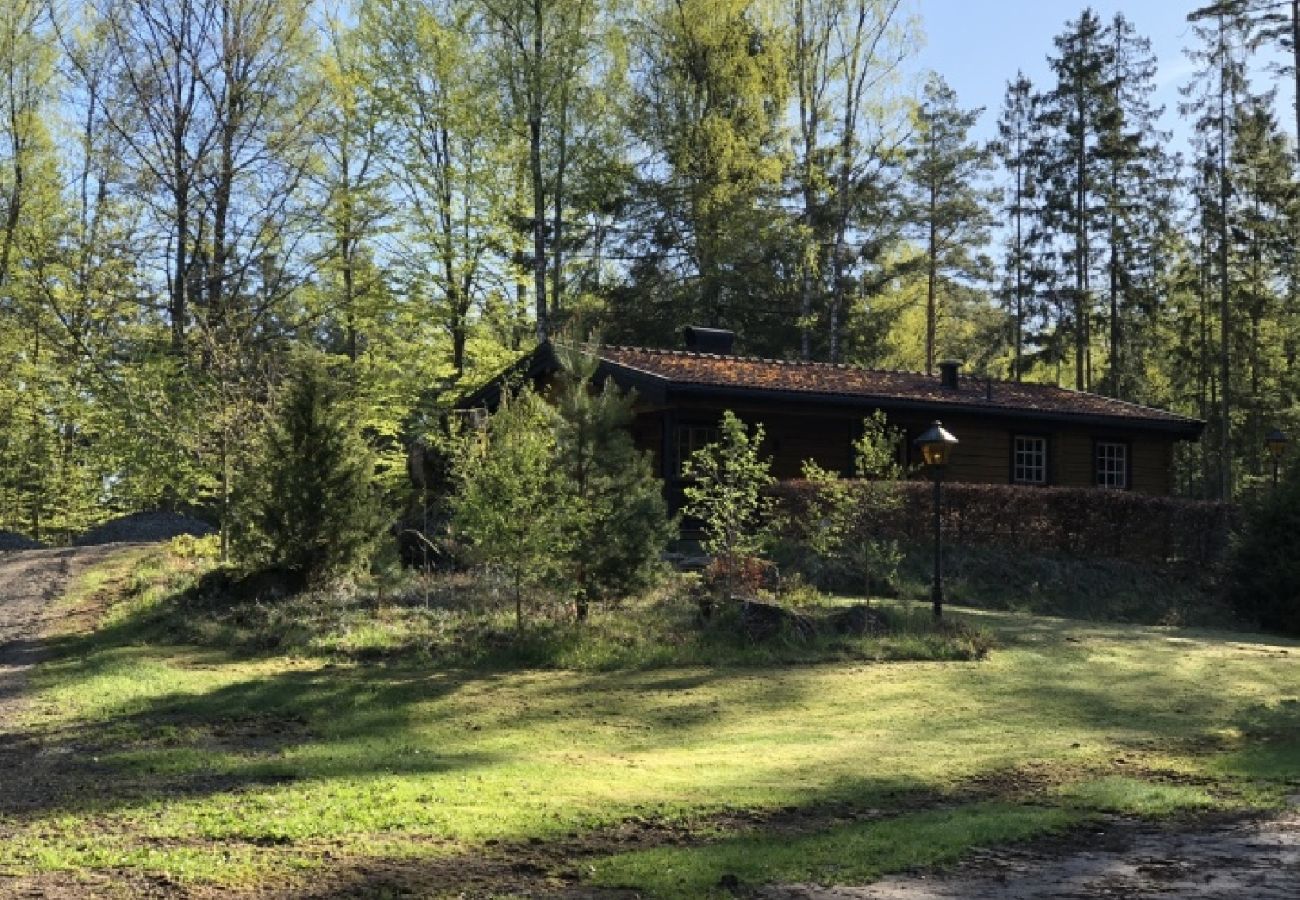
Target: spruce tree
508 505
616 522
310 505
1075 110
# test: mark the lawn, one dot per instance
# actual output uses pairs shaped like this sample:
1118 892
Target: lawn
233 769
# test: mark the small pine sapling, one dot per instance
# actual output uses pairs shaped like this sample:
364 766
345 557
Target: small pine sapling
508 505
615 518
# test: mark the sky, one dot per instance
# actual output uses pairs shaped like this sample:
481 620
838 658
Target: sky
978 45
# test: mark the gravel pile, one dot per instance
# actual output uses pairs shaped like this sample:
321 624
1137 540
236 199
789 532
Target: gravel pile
12 540
145 527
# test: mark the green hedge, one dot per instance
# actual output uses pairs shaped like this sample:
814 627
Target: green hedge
1079 522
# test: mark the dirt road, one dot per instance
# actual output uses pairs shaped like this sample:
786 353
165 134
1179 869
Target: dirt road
29 580
1249 860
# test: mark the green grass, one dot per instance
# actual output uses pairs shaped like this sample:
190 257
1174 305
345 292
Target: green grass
851 854
222 766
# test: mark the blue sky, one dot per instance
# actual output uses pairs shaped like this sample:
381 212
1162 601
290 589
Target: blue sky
977 45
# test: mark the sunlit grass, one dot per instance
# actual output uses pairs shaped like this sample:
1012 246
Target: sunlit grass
198 751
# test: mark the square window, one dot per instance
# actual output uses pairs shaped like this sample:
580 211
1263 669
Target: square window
1112 465
1029 460
691 438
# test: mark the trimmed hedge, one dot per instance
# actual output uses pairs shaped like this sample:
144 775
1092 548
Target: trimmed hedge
1079 522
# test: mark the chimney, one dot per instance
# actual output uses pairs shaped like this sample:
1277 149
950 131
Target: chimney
709 340
948 370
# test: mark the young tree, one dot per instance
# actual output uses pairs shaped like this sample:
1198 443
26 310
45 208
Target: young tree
616 522
949 205
724 490
509 500
310 505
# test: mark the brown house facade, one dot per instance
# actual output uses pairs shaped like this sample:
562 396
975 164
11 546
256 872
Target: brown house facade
1010 433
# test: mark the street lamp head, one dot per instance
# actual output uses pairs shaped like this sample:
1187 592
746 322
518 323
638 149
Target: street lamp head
1276 442
936 445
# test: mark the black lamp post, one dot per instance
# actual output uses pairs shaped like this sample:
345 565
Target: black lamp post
936 446
1276 442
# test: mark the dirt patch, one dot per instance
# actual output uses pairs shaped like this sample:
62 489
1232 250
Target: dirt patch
1259 859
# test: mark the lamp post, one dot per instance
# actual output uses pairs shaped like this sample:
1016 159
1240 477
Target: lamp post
1276 442
936 446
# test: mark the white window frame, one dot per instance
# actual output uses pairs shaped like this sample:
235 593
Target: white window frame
1110 465
1025 469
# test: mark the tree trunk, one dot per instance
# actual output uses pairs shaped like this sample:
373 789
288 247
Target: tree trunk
1225 315
535 168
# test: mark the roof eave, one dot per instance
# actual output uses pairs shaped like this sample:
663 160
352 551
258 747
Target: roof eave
1187 429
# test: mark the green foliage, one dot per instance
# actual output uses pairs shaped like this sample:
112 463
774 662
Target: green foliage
724 490
510 502
615 520
845 523
1264 567
309 503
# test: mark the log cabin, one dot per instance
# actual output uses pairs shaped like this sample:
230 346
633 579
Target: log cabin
1015 433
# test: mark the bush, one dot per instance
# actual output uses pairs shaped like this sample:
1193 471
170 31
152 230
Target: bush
1264 567
309 504
725 488
1071 522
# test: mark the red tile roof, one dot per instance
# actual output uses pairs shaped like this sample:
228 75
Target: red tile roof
703 370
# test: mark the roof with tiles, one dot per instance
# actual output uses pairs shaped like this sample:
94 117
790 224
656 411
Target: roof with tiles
846 382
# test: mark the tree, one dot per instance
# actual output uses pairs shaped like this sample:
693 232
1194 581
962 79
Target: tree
543 48
1075 109
1135 195
1019 146
711 83
1264 566
1212 98
437 119
844 57
949 206
508 505
310 505
615 521
724 490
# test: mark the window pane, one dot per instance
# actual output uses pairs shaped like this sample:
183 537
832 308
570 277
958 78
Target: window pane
1112 465
1029 460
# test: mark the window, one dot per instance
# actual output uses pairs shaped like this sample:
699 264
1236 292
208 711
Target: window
1029 460
691 438
1112 465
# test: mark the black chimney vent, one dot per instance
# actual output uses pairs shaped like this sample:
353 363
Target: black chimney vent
948 370
709 340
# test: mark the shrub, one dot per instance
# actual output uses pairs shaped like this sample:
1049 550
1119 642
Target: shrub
1264 567
725 491
1078 522
309 504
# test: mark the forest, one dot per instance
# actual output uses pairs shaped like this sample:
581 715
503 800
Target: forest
195 192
